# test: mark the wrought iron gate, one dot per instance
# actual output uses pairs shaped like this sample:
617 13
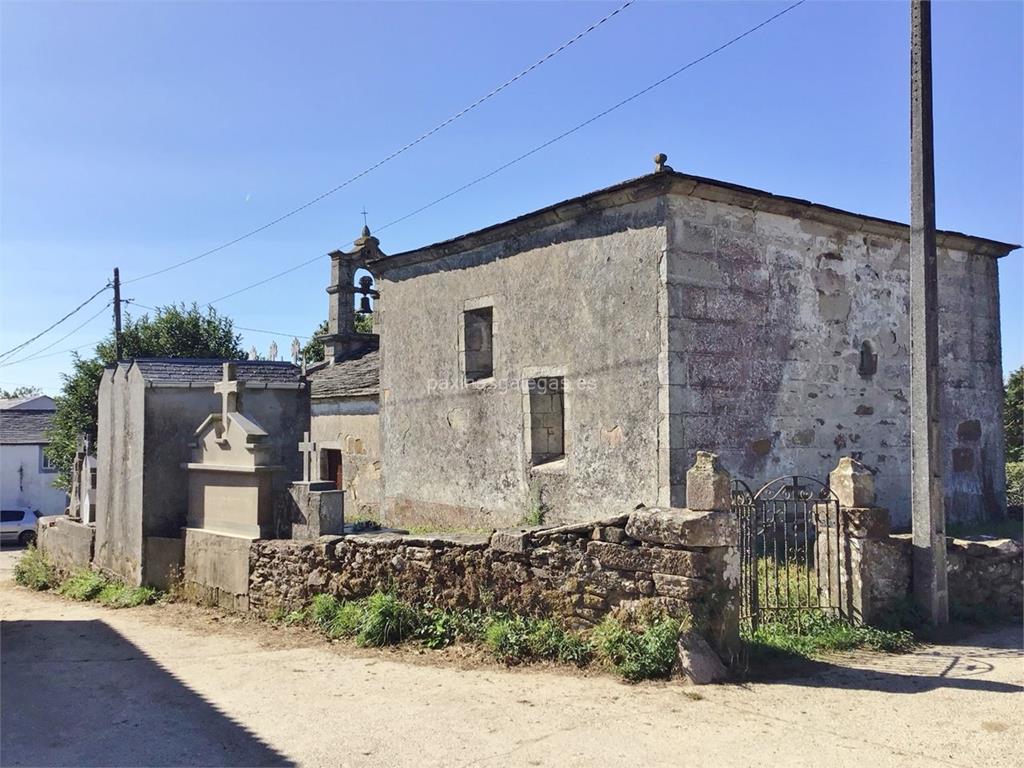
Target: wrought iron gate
789 550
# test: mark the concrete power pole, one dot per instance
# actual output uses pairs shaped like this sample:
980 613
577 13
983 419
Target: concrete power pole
929 517
117 313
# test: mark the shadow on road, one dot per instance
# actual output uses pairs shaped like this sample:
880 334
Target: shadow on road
78 693
961 665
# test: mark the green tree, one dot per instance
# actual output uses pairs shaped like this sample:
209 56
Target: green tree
314 350
19 392
174 331
1013 415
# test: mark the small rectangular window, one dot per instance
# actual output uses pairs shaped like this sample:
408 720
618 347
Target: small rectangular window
92 478
45 463
478 342
547 420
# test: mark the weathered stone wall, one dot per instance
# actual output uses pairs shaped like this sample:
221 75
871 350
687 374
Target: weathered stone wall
767 314
684 560
67 544
579 300
986 576
351 426
216 570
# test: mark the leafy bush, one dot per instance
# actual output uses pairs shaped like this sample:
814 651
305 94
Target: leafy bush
347 621
83 584
323 610
115 595
509 639
1015 483
639 654
34 570
386 620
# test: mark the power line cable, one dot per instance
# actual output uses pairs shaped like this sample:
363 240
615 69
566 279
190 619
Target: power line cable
39 353
538 148
239 327
393 155
54 354
50 328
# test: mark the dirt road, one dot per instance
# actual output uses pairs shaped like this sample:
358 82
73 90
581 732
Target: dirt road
157 686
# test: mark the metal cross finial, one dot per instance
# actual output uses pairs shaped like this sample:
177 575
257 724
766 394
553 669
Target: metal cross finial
364 215
307 448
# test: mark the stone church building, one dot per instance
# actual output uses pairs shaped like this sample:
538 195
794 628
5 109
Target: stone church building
584 352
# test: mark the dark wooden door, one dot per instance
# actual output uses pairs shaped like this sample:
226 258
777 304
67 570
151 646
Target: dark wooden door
334 470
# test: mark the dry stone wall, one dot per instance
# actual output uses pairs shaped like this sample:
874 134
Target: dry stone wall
684 561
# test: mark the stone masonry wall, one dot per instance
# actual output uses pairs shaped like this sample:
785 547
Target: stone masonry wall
454 453
986 576
683 560
767 315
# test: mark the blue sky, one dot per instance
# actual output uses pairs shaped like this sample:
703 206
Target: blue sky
141 134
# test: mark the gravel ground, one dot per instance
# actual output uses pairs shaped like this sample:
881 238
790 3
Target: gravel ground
179 685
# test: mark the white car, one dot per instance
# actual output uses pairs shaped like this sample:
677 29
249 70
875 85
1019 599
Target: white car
18 524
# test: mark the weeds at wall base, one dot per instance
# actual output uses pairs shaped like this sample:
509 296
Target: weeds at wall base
643 648
35 571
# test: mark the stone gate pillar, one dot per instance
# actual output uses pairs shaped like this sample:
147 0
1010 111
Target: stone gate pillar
859 537
709 491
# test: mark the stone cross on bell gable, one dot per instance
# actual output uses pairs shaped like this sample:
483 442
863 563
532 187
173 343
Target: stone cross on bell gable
308 450
230 391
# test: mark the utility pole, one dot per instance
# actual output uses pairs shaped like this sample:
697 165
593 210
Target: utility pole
117 313
928 515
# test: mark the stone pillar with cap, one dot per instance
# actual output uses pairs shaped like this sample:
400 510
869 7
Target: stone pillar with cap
856 542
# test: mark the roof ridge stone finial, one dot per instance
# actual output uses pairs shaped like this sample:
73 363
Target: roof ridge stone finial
661 163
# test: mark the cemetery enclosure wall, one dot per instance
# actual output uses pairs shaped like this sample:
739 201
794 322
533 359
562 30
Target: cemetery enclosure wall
577 573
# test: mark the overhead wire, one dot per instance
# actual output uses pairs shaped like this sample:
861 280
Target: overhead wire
422 137
536 149
39 352
54 325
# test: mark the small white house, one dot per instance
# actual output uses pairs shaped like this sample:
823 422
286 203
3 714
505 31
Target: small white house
26 475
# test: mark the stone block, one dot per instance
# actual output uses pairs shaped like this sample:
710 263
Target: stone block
648 559
696 661
67 543
708 486
676 527
217 568
682 587
852 483
514 540
865 522
316 513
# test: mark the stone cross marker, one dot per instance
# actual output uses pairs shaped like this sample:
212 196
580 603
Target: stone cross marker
230 391
308 449
296 350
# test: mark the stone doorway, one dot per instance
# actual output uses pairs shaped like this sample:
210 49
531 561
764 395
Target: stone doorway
334 468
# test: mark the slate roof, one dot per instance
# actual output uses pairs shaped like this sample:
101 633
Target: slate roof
356 376
30 403
24 427
209 371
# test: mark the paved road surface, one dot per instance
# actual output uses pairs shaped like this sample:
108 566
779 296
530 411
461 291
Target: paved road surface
160 686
